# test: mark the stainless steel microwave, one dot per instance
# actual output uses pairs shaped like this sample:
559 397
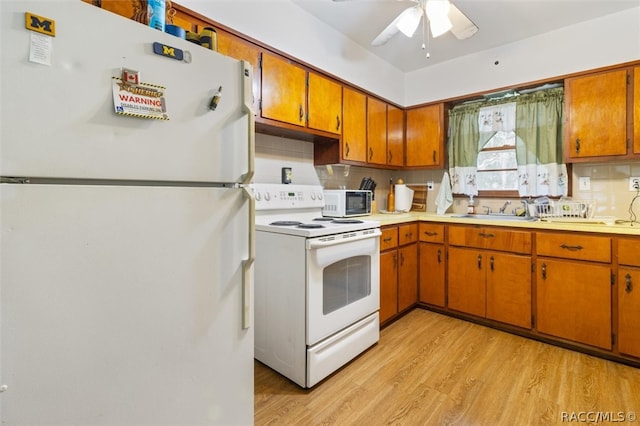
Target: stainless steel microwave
347 202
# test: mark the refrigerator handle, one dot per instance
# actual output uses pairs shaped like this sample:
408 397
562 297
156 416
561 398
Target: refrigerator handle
247 265
247 106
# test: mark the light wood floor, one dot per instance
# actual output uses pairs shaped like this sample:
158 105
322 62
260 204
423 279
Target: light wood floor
430 369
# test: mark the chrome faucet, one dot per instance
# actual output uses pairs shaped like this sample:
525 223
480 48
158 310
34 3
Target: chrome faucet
504 207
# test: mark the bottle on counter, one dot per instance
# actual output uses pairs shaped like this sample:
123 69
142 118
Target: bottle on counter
391 198
471 206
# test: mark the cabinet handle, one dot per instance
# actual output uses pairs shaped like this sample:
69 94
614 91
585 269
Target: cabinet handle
544 271
479 261
571 248
628 287
301 113
370 154
439 256
430 234
408 234
386 240
485 235
401 259
337 122
390 157
347 149
434 156
577 145
491 266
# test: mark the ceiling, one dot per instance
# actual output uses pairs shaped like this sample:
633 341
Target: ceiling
500 22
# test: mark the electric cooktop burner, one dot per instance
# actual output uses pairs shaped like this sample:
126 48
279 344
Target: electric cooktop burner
347 221
324 219
310 225
286 223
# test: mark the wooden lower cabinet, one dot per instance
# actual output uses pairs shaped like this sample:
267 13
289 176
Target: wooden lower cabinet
432 274
509 289
398 270
574 301
466 284
629 297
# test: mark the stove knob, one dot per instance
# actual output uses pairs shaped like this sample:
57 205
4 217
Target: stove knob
257 196
267 196
320 196
313 196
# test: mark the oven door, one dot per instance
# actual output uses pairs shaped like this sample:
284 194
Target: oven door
343 281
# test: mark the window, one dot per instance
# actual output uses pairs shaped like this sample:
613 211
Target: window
508 147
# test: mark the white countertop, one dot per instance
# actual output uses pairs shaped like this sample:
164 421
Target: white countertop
398 218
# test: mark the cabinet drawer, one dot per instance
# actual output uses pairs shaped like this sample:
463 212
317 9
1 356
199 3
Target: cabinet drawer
431 232
407 233
574 246
628 253
491 238
389 238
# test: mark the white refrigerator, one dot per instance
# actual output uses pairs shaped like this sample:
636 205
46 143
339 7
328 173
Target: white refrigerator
126 246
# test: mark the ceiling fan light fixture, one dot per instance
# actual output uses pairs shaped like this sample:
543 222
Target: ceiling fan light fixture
409 21
437 9
439 26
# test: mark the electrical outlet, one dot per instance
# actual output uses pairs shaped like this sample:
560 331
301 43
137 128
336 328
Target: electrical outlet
430 185
634 183
584 183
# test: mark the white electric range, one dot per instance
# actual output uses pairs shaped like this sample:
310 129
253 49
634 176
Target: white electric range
317 284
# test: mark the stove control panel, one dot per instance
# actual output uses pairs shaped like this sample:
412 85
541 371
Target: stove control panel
283 197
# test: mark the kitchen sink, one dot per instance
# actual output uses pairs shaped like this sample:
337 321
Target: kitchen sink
495 216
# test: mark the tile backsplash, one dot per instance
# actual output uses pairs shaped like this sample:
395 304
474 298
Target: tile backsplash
609 187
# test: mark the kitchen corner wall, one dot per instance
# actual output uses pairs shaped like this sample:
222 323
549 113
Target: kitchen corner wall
609 181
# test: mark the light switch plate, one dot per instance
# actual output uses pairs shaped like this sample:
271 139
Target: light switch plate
584 183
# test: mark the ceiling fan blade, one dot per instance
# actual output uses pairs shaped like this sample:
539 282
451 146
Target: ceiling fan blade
462 27
406 19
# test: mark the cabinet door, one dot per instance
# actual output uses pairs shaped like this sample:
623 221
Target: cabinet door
354 128
325 104
407 276
395 136
629 311
574 301
376 131
283 90
466 280
636 110
237 48
596 114
425 136
509 289
432 269
388 285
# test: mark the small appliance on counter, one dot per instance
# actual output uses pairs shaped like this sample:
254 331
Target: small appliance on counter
347 202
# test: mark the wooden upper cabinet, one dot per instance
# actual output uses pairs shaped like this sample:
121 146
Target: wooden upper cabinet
636 110
325 104
425 136
395 136
376 131
283 90
237 48
354 128
596 115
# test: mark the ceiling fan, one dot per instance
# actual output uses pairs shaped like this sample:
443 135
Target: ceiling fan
441 15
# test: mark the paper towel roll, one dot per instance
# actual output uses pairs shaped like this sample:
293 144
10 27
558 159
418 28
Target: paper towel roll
404 198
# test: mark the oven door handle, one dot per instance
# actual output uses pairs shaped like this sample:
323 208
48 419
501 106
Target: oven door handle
326 242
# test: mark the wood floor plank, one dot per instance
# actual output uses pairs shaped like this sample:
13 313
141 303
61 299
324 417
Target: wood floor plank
430 369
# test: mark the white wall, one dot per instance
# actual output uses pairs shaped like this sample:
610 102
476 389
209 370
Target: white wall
609 40
292 30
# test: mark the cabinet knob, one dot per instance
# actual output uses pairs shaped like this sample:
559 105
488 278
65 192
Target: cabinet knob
370 153
544 271
628 285
337 122
491 266
347 149
301 113
577 145
439 256
571 248
479 261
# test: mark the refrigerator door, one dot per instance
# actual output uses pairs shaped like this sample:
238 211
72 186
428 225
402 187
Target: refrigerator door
59 120
124 305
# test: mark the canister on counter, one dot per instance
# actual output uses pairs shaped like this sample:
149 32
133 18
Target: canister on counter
209 38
